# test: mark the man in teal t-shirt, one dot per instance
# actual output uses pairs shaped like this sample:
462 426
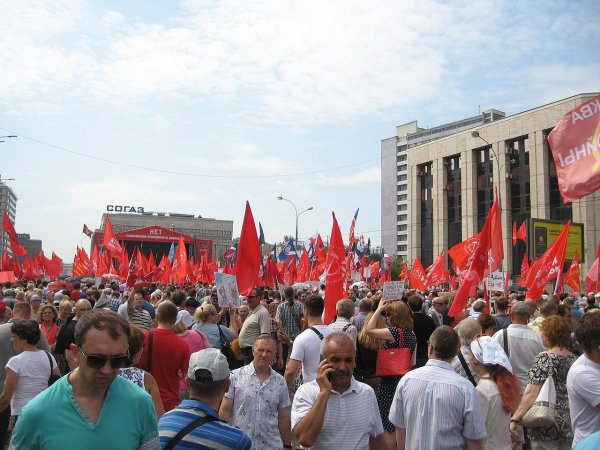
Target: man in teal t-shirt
91 407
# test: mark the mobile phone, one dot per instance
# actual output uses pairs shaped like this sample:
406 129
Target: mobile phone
330 374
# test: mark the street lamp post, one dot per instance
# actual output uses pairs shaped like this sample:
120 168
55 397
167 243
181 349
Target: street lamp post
476 134
11 136
297 214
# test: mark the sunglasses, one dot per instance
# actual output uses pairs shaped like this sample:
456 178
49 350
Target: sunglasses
98 361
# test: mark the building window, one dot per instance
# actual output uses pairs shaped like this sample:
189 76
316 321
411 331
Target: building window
402 217
426 180
485 182
402 177
402 157
402 227
402 207
402 248
402 167
454 199
402 187
402 197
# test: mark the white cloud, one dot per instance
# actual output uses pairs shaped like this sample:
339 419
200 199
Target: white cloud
370 175
282 62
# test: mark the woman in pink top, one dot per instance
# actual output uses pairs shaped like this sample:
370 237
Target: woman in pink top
196 341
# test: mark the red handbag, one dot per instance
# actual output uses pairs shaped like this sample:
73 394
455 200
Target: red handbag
393 362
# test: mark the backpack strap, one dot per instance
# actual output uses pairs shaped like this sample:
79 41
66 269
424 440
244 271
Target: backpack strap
317 332
346 327
187 429
505 339
466 367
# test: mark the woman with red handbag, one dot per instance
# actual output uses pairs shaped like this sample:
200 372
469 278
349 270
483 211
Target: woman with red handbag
395 357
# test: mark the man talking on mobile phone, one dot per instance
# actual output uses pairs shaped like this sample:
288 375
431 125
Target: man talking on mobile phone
336 411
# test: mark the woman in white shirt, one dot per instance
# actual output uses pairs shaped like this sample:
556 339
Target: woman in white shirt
498 388
27 373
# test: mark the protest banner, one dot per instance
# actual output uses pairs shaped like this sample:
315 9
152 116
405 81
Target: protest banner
392 290
495 282
227 290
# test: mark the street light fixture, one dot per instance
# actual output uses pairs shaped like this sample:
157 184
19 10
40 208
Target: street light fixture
297 214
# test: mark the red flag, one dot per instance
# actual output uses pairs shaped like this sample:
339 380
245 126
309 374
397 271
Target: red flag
289 270
575 145
522 232
548 266
95 260
483 260
404 272
435 272
462 253
6 261
133 269
15 245
320 252
303 267
573 276
418 280
247 265
514 234
524 267
591 279
87 231
351 242
123 265
180 268
335 280
110 240
227 269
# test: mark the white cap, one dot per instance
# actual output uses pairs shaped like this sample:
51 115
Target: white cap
210 359
186 317
487 351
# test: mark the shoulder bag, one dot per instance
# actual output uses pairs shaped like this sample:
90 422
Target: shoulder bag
543 410
227 350
53 378
393 362
187 429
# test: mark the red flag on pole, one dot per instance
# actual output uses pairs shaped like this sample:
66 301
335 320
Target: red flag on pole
575 145
418 279
15 245
303 267
247 265
335 280
548 266
573 276
110 240
435 273
462 252
591 279
514 234
484 259
522 232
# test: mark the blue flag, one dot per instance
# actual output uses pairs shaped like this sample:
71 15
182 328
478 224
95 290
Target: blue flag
172 252
261 235
287 250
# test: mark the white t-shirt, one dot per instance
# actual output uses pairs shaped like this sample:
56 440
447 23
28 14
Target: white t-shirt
33 370
583 387
497 420
307 349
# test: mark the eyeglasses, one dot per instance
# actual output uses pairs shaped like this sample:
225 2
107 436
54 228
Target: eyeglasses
98 361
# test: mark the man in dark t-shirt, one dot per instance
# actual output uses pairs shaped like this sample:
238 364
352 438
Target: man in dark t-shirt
423 326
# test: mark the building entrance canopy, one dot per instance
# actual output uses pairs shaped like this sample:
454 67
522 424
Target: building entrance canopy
153 233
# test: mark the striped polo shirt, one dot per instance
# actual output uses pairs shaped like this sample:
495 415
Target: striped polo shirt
211 435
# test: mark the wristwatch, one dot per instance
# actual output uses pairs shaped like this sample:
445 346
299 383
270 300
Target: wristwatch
515 421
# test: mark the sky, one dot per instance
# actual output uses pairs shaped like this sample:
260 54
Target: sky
196 106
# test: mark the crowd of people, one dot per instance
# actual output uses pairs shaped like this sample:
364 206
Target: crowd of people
168 367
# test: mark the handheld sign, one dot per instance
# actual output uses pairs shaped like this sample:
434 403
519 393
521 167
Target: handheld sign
227 290
392 290
495 282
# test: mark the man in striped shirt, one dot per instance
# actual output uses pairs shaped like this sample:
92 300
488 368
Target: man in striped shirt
434 408
207 381
335 410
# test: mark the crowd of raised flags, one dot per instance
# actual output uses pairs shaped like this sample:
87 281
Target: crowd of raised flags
335 266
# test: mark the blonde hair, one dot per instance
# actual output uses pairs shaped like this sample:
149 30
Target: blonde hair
399 315
203 312
367 341
179 327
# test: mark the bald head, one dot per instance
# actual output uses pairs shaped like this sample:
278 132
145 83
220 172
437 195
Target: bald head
81 307
467 330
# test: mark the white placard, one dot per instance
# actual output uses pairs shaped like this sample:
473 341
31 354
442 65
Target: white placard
495 282
392 290
227 290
